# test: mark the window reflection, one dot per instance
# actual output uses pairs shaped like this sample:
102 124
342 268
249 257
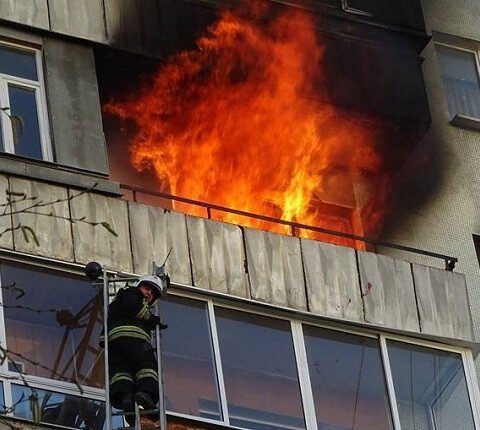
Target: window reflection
190 377
61 409
260 372
24 121
430 388
17 62
347 379
53 320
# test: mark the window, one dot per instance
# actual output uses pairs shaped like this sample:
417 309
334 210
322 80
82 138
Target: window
61 409
260 371
24 127
459 70
347 379
430 388
188 359
53 320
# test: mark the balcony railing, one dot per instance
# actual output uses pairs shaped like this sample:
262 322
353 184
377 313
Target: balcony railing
295 227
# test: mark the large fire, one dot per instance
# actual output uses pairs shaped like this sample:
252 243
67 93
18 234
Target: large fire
239 122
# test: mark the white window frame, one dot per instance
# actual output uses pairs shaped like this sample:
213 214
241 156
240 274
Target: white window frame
296 323
459 118
40 97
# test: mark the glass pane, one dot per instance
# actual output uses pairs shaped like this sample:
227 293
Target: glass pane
260 372
61 409
460 80
16 62
2 400
430 388
190 378
53 320
24 120
346 374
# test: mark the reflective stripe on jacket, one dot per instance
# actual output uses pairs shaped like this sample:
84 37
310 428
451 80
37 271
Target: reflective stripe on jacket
128 316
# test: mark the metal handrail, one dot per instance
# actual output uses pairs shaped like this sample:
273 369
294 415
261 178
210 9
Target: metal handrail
449 261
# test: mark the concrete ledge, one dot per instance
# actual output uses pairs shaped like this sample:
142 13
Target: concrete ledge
57 174
467 122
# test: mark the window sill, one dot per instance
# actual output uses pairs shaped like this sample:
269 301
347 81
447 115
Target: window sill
467 122
56 174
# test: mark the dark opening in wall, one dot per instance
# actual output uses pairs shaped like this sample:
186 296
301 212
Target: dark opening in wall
476 243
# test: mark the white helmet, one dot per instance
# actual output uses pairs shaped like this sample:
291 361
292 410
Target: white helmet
157 283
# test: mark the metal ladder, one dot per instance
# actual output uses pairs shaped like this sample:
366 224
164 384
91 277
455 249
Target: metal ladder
114 279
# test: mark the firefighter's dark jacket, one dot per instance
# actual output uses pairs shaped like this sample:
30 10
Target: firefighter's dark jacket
129 316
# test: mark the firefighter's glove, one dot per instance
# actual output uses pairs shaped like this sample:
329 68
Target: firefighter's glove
155 320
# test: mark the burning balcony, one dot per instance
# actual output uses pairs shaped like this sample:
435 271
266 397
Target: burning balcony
255 119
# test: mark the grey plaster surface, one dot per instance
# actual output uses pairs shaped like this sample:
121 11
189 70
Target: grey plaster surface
96 243
387 291
275 269
74 105
154 231
217 256
53 232
332 281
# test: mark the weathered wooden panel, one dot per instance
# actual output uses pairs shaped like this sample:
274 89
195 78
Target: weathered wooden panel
74 105
6 236
275 269
29 12
80 18
442 302
49 220
134 25
154 231
96 242
331 275
217 256
388 291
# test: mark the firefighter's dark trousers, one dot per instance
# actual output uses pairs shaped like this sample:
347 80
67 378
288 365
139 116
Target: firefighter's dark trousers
133 368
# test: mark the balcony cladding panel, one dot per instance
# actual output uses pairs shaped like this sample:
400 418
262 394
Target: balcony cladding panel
6 238
275 269
74 105
217 256
80 18
442 302
97 243
29 12
388 292
134 25
153 232
49 221
331 277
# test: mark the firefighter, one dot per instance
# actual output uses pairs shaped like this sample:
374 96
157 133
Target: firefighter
132 364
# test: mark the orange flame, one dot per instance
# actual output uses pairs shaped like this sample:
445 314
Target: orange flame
239 123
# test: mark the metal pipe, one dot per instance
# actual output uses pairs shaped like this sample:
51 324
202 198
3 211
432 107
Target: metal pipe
161 394
108 411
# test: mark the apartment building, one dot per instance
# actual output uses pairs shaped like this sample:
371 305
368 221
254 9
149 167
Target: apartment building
271 324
